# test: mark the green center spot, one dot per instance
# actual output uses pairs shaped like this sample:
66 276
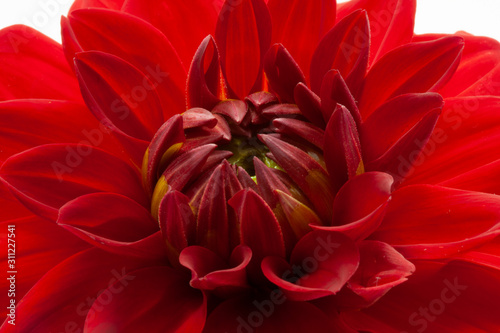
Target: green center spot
244 150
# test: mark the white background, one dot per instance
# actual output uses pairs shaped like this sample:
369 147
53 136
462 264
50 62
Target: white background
479 17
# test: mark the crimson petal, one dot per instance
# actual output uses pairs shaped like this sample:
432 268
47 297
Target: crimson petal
428 222
242 34
142 303
41 122
320 264
195 20
308 174
205 84
157 59
309 104
259 228
391 23
381 268
68 290
117 92
360 205
32 66
113 223
210 272
300 25
342 148
46 177
412 68
404 112
459 297
247 315
282 72
345 48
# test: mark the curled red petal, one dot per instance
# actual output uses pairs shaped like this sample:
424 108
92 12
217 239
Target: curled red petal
210 272
320 264
381 268
205 84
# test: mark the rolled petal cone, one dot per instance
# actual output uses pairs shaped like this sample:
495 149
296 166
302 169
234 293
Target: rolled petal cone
249 166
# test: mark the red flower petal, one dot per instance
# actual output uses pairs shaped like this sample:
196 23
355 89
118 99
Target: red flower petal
309 104
380 269
110 4
345 48
146 303
408 148
211 272
205 84
177 224
424 221
486 255
466 138
46 177
386 125
360 205
478 72
28 123
282 72
269 315
342 148
68 290
391 23
156 58
460 297
212 223
40 245
259 228
113 223
320 264
118 93
242 35
164 145
32 66
299 25
412 68
308 174
334 91
196 20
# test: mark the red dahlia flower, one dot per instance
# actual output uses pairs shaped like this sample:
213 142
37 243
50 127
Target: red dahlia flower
250 166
